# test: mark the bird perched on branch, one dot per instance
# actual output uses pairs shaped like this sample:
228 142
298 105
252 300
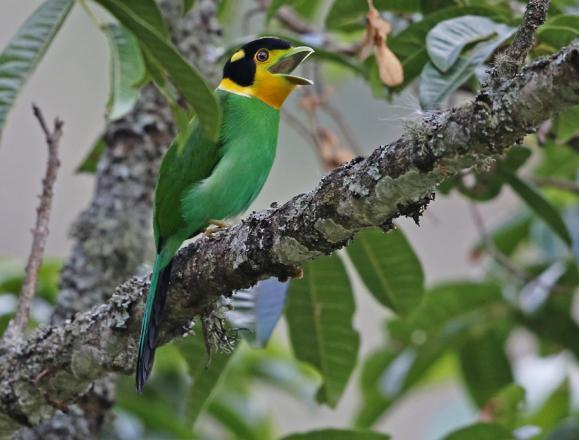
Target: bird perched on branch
202 182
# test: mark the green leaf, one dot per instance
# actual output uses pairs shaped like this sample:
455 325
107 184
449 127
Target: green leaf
556 408
90 162
558 161
147 11
553 324
240 416
155 408
389 268
186 79
12 276
505 406
485 366
187 5
447 39
559 31
537 203
23 53
319 311
205 377
429 6
344 12
481 431
508 236
410 44
568 124
127 70
448 301
435 86
338 434
445 321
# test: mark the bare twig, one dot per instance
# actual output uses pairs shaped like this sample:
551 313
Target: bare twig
40 233
514 56
555 182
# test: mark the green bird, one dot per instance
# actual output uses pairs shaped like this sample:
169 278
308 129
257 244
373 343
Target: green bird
202 182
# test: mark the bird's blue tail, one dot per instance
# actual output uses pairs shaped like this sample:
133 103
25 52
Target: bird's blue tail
152 320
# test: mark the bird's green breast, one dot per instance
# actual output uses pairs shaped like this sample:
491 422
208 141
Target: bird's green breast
248 142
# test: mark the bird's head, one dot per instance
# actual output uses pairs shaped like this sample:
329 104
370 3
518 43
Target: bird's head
262 69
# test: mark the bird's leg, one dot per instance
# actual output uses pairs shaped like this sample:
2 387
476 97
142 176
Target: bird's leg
216 226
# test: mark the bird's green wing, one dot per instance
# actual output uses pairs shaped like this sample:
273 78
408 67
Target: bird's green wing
189 160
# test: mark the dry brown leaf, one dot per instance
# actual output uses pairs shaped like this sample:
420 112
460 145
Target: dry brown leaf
377 30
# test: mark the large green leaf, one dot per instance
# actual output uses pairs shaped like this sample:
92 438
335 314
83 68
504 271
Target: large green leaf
444 322
448 301
558 161
559 31
435 85
205 376
430 6
410 44
537 203
447 39
485 366
390 269
556 408
127 69
338 434
481 431
505 406
185 77
552 324
319 311
344 12
148 11
23 53
568 124
155 415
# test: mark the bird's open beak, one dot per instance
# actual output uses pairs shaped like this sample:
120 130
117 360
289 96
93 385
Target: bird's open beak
289 62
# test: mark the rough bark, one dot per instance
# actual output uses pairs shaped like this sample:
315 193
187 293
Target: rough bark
113 235
58 364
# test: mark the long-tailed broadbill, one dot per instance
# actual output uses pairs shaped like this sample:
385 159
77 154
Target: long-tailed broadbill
202 181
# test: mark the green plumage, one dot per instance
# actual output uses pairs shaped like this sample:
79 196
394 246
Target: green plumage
201 180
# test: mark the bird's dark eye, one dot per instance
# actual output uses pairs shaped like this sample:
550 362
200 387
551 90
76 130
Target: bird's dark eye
262 55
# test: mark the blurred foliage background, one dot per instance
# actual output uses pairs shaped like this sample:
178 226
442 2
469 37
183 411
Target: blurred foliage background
471 330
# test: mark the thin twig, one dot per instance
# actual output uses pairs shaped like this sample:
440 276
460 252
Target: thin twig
555 182
40 233
514 56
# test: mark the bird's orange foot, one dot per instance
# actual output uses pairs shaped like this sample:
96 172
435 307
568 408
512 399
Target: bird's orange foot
216 226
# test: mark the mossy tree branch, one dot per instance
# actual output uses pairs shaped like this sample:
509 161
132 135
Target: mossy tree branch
58 364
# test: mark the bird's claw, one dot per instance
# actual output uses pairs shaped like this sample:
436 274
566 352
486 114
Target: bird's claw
216 226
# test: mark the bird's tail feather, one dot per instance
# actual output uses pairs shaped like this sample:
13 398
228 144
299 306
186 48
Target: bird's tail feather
152 321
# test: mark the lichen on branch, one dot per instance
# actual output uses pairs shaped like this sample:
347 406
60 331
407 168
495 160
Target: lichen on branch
395 180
